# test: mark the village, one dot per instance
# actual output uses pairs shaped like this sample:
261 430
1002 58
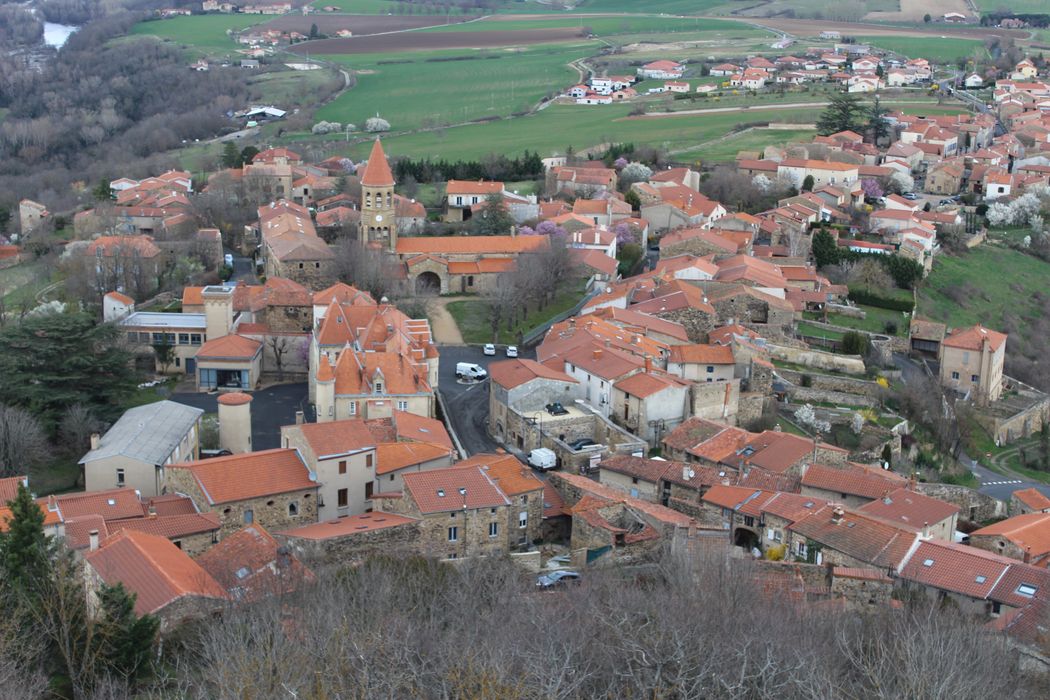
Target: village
626 359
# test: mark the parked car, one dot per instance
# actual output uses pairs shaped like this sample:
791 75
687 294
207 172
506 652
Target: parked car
556 409
469 370
228 260
911 196
543 459
489 349
581 443
943 202
512 351
557 579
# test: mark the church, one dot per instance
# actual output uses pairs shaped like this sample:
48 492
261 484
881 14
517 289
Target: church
378 204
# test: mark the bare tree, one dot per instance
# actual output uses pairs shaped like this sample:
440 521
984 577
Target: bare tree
76 428
22 441
279 346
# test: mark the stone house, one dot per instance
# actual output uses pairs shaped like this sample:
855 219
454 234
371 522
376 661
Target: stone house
163 579
846 538
972 362
373 385
907 509
522 488
461 512
1029 501
291 248
521 386
130 264
945 178
351 540
274 488
446 264
853 486
650 403
1023 537
702 363
135 452
251 565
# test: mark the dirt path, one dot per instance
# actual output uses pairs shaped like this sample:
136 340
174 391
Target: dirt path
442 325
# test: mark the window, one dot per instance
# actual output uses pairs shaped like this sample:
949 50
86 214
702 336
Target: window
249 517
317 265
402 405
492 510
195 338
470 280
955 375
493 529
342 466
710 368
523 519
453 534
184 338
120 477
378 388
342 498
1027 590
966 358
293 509
453 555
800 548
524 500
634 479
178 362
749 521
301 266
368 460
975 377
369 486
353 408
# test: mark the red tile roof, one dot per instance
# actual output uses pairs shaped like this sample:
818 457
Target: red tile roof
657 512
9 488
909 509
859 536
853 482
235 347
1029 531
438 490
392 456
338 437
957 568
349 526
154 569
250 475
701 354
170 526
646 384
250 567
114 504
1032 498
973 338
513 373
511 476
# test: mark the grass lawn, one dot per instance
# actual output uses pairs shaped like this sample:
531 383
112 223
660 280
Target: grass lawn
671 7
550 131
727 148
991 282
600 26
22 281
420 93
1020 7
55 476
819 331
934 49
205 32
288 87
472 317
874 322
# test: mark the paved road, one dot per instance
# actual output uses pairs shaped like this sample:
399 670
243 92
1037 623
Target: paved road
271 408
468 402
243 268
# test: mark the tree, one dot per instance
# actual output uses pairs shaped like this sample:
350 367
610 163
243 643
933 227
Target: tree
855 343
313 30
871 188
632 198
76 428
904 271
52 361
927 18
248 154
23 442
807 183
279 346
164 354
375 125
101 192
869 275
231 157
825 250
25 550
632 173
127 638
842 114
493 218
877 124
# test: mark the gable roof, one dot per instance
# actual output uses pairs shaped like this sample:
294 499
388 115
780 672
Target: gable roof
701 354
909 509
154 569
973 338
337 438
250 475
148 433
508 473
350 525
250 565
1029 531
1032 498
438 490
853 482
957 568
858 536
513 373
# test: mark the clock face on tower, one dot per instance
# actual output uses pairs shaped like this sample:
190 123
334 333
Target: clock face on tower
379 217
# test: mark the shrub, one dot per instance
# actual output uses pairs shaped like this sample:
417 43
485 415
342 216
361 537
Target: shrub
854 343
870 299
807 380
890 327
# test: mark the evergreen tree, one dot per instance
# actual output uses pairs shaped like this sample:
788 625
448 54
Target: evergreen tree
825 251
24 549
492 219
842 114
101 191
53 361
877 124
807 183
231 157
248 153
127 639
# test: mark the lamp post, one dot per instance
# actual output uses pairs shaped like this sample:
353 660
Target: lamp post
463 493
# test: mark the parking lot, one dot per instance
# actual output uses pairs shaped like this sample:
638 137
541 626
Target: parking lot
468 402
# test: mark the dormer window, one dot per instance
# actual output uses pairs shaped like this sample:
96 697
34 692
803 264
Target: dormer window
378 388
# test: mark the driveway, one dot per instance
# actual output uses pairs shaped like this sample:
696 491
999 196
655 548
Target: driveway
272 407
243 269
467 403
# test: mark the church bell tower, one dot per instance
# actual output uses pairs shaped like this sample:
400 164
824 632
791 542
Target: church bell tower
378 210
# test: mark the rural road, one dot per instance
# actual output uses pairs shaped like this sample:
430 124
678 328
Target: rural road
442 325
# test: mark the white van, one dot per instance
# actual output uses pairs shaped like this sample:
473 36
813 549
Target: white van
543 459
469 370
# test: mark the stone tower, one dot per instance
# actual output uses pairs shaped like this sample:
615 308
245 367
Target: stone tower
378 212
235 422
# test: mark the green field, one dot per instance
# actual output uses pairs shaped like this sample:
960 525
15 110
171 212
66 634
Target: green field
874 322
818 331
205 32
983 286
429 93
725 149
1017 6
472 317
290 87
601 26
934 49
670 7
549 132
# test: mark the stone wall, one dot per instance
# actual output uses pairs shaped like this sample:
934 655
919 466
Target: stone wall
697 324
809 395
753 407
850 364
831 382
472 536
354 548
718 401
197 544
990 543
862 592
976 506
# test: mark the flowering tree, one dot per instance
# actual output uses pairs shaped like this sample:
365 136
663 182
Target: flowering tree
635 172
620 163
762 182
625 234
901 182
871 188
526 231
807 417
549 228
376 124
856 423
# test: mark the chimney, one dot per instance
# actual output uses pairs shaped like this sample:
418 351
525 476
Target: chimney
96 441
299 417
597 353
926 529
685 473
836 515
648 364
1027 554
93 540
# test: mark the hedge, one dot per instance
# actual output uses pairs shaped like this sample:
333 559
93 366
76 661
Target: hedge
869 299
